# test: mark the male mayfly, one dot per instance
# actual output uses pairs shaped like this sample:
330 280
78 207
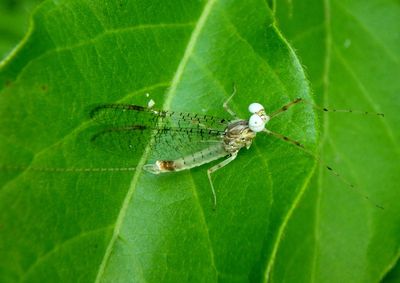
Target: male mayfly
181 141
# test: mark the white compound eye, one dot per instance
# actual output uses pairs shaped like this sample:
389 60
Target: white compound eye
256 123
255 107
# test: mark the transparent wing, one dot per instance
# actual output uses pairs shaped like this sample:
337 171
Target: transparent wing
122 115
165 143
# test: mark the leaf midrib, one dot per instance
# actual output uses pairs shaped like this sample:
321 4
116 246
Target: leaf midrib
169 96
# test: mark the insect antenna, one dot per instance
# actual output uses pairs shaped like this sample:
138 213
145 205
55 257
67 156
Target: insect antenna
328 167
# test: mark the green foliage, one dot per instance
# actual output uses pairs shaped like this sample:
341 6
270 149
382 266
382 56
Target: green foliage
13 22
351 51
138 227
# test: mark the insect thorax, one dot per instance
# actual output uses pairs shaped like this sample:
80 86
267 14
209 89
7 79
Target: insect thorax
238 135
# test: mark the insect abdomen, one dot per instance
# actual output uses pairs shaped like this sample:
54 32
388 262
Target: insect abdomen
187 162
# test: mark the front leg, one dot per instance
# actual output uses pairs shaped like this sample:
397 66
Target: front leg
226 106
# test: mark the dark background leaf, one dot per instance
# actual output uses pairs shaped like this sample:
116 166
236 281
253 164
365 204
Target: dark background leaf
14 19
350 49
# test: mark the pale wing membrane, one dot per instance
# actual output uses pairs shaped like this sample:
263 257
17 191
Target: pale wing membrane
121 115
165 143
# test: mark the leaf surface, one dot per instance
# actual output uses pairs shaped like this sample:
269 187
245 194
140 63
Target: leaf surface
14 17
138 227
353 63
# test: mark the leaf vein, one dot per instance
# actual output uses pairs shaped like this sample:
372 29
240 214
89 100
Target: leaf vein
175 81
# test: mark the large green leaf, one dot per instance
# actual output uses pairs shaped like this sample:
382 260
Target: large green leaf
351 50
139 227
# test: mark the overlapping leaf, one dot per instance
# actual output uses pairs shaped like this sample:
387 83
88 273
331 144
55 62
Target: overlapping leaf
353 63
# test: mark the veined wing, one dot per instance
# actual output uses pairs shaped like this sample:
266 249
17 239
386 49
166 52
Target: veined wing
125 115
166 143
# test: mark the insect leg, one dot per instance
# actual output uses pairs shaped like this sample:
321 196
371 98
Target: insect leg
215 168
323 109
284 138
320 161
226 106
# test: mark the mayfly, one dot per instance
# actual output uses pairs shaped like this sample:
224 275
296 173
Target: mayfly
181 141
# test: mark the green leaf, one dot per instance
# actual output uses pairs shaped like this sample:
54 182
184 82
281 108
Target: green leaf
138 227
13 22
351 50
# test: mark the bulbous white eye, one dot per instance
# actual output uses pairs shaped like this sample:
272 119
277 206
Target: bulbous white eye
256 123
255 107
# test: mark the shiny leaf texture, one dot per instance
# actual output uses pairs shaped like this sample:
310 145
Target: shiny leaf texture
74 226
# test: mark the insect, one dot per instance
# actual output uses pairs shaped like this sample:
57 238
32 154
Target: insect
181 141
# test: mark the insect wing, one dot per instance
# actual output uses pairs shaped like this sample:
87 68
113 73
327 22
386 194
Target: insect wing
124 115
164 143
